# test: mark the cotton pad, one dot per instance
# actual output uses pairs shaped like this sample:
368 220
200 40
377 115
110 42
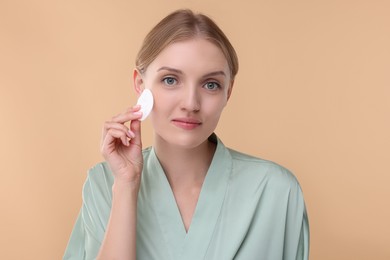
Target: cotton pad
145 100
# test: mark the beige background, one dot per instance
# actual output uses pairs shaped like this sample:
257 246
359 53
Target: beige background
312 94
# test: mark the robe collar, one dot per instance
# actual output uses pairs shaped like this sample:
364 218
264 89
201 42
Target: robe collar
194 243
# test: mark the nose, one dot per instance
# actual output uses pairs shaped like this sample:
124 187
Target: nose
190 99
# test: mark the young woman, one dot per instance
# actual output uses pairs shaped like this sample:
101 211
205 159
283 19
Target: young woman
188 196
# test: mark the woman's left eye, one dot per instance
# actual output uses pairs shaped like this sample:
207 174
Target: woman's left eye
212 86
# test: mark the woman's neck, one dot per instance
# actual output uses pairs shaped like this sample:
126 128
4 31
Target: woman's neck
184 167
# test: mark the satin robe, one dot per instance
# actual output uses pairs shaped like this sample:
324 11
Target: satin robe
248 208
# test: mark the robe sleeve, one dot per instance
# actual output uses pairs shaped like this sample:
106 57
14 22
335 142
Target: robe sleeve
297 226
88 231
303 246
75 247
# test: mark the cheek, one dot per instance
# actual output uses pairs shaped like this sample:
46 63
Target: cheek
161 101
215 106
163 105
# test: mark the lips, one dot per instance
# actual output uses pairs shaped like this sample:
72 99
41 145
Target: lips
186 123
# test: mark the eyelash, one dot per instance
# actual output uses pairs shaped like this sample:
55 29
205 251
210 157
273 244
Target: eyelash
169 78
215 84
165 79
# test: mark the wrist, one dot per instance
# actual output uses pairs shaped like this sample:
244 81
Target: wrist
122 189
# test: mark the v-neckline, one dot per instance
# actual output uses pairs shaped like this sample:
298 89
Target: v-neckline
195 241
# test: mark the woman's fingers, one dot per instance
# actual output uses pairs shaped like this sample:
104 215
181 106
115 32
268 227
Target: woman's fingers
120 127
135 127
112 131
130 114
109 141
121 145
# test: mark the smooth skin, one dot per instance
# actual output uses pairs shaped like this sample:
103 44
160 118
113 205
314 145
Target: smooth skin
122 149
191 84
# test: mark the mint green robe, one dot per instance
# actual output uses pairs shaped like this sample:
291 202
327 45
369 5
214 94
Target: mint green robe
248 208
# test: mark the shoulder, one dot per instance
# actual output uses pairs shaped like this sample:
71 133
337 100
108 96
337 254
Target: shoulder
255 168
254 180
97 186
100 175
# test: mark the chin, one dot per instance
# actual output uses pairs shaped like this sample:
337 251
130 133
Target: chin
184 140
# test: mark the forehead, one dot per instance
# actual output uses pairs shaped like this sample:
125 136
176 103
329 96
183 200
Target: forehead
194 55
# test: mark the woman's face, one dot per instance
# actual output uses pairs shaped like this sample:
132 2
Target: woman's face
191 83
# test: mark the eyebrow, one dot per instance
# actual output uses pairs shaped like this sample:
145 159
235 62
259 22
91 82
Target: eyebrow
170 69
214 73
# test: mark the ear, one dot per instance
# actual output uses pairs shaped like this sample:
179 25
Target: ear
230 90
138 82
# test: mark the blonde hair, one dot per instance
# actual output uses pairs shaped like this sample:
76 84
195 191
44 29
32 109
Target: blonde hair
183 25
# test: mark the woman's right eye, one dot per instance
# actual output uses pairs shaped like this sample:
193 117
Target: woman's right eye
169 81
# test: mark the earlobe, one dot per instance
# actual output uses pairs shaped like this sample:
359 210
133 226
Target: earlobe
138 82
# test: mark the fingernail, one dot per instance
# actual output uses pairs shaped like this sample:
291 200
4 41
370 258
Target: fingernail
131 134
138 113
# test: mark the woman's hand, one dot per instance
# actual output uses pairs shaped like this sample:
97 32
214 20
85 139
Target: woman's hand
121 146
